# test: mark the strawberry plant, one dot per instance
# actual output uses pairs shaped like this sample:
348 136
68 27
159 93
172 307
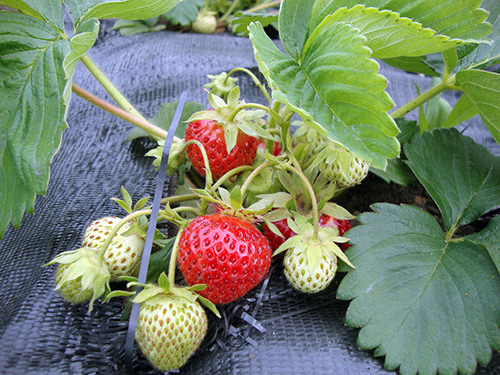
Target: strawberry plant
424 295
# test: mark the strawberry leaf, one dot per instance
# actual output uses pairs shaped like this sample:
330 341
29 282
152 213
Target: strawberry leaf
334 86
425 303
425 299
35 96
49 11
486 54
464 185
82 10
389 35
458 19
483 89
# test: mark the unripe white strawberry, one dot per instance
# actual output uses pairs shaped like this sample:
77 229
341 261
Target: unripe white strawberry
306 279
310 262
170 329
72 290
205 22
124 252
171 323
81 276
341 166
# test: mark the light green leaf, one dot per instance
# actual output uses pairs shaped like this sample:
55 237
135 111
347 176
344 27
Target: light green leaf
293 21
81 41
463 184
483 89
457 19
49 11
33 88
241 20
334 87
426 304
389 35
463 110
184 13
82 10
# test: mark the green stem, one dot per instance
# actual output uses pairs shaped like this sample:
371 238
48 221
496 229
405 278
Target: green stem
173 256
424 97
273 114
154 131
252 175
179 198
108 85
264 5
312 196
208 173
233 6
255 80
221 181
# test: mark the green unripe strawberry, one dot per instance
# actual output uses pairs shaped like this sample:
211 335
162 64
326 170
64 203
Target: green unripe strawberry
205 22
124 252
81 276
310 262
306 278
170 329
343 167
72 290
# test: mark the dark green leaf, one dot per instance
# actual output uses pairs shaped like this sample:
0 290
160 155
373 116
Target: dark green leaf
428 305
489 238
159 262
35 96
462 177
397 171
483 89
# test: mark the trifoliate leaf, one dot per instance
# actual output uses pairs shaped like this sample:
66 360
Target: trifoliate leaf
426 303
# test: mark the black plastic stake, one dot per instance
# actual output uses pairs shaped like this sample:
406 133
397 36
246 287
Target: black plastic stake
160 183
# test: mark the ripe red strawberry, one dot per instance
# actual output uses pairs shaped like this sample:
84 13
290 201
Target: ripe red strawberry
211 135
226 253
325 221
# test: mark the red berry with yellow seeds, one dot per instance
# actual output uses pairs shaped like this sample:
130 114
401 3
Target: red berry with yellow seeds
226 253
211 135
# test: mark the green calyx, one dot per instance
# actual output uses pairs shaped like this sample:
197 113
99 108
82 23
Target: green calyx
221 84
314 243
166 288
82 276
234 116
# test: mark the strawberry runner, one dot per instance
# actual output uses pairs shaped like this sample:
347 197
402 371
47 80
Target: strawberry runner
160 182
